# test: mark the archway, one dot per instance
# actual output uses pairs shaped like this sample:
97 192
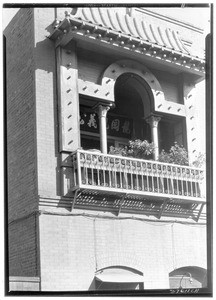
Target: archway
119 278
134 100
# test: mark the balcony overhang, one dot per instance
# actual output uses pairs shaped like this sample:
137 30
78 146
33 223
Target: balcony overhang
127 34
107 182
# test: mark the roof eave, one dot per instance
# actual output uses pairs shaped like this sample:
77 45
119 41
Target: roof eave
71 28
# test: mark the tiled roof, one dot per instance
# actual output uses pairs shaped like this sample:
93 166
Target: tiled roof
134 27
116 29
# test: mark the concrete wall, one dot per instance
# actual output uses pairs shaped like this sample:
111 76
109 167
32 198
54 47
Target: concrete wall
74 247
46 104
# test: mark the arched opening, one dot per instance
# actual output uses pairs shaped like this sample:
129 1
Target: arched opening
188 277
133 100
133 103
119 278
130 118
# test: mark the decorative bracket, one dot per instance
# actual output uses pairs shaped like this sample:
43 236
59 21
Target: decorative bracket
162 208
200 211
121 203
74 199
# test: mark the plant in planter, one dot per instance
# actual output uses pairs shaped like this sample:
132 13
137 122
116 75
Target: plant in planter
200 161
136 148
176 155
122 151
140 149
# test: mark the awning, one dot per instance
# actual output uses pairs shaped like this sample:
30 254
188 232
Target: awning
120 277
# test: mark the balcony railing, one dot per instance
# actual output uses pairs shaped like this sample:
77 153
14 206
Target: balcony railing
130 176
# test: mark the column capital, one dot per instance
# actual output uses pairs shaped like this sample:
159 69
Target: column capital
153 120
102 109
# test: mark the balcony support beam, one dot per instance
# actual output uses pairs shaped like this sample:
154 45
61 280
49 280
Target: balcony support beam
200 211
162 208
76 195
121 203
153 122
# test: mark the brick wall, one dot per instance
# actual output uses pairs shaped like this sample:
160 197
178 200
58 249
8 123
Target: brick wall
73 248
21 144
23 244
28 74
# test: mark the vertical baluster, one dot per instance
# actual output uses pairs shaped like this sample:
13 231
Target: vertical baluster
79 169
125 175
110 173
152 177
186 182
74 171
182 181
92 170
142 179
193 183
168 181
98 170
162 179
177 183
157 179
86 169
196 185
131 174
147 178
103 170
115 175
171 182
120 174
136 176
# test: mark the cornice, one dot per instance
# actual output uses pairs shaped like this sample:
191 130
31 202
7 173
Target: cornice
163 44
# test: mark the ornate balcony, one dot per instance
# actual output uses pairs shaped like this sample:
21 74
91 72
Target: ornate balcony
143 181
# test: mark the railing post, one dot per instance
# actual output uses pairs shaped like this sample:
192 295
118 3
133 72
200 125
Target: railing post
153 122
79 169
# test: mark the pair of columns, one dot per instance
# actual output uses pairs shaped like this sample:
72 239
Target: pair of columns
102 110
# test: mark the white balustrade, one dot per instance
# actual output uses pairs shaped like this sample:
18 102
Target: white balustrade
93 170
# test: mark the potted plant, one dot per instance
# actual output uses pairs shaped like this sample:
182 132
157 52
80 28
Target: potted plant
176 155
136 148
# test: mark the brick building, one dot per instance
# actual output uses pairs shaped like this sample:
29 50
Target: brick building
80 219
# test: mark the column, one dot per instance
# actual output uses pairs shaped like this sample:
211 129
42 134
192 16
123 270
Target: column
153 122
102 110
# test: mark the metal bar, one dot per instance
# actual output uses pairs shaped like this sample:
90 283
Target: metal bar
121 203
162 208
200 211
74 199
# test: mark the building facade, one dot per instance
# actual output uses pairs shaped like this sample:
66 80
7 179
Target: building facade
79 81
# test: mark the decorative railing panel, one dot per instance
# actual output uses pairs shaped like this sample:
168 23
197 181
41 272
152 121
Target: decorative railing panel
97 171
